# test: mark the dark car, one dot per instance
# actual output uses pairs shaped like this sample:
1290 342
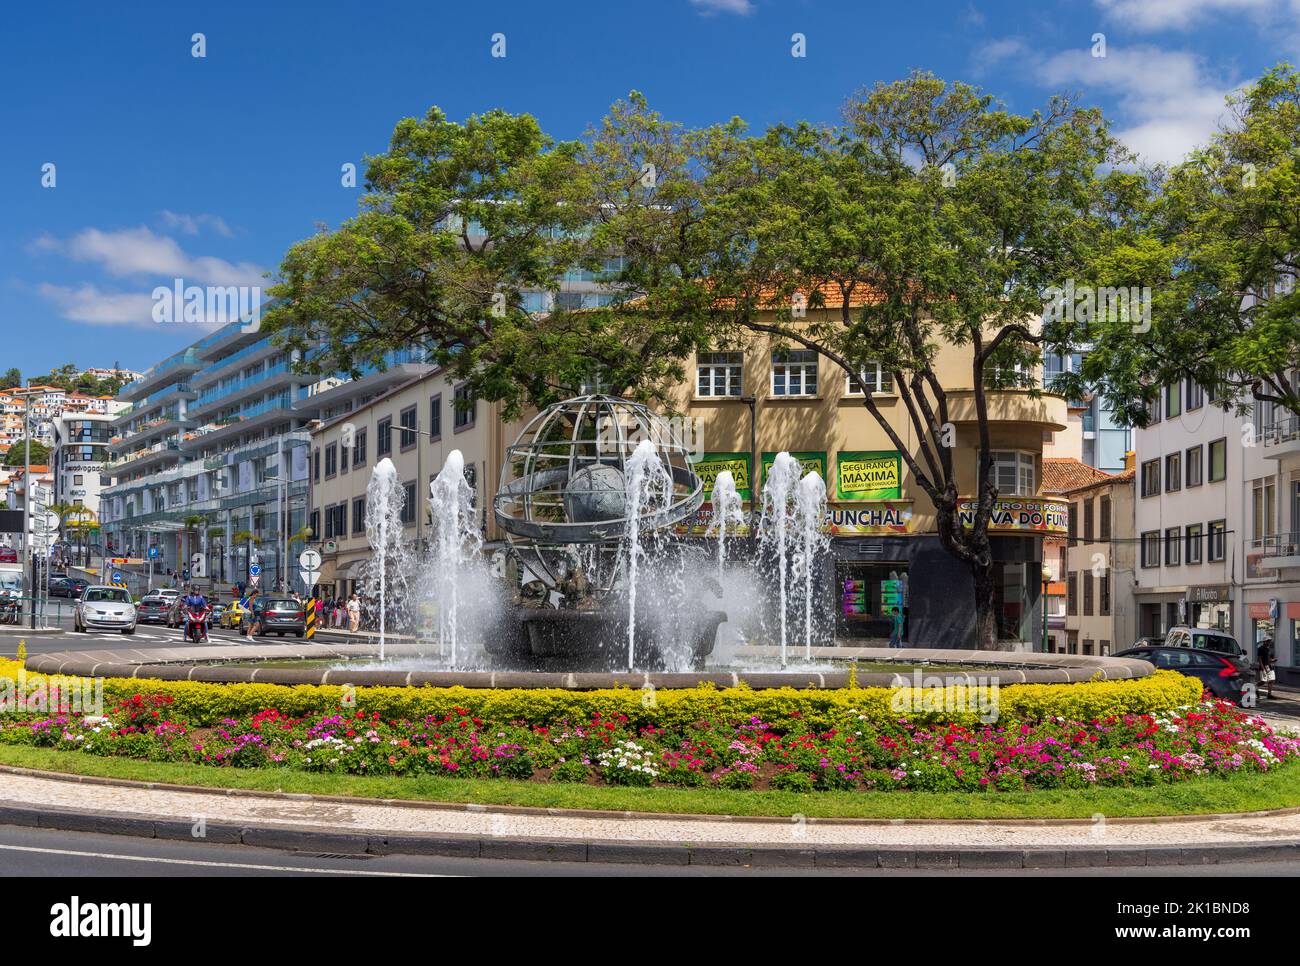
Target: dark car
277 615
1223 675
68 586
153 609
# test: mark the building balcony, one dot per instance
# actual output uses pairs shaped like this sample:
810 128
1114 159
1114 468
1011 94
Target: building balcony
167 371
231 364
372 384
216 398
1045 410
134 461
1281 438
1281 551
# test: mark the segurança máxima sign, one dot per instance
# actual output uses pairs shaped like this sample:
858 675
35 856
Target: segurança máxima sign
1030 514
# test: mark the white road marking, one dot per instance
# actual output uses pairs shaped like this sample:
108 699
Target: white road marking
222 865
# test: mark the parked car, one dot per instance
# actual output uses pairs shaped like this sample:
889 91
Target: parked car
153 609
232 617
277 615
8 555
1149 642
1223 675
68 586
106 608
1203 639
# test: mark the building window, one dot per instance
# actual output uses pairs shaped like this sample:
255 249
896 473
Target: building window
1086 576
358 514
331 460
1089 518
1218 540
794 372
1173 546
1071 594
1194 466
408 506
384 437
1173 472
77 479
1153 411
435 417
313 524
1263 510
406 418
718 374
1103 593
315 465
1151 548
1105 518
463 417
1195 395
1014 473
1072 522
344 461
359 449
1218 461
1151 478
1194 534
878 380
1173 400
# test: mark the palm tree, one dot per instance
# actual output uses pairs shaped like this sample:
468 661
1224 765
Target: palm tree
247 537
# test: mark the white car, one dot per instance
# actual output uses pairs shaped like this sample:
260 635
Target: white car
104 608
1203 639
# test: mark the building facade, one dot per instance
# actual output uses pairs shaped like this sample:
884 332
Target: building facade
1101 615
884 544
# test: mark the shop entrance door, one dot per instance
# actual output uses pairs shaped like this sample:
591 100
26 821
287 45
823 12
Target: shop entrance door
867 595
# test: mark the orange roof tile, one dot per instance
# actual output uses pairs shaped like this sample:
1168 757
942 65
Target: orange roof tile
1062 474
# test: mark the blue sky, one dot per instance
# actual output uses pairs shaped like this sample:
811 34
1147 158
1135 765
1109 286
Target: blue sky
209 168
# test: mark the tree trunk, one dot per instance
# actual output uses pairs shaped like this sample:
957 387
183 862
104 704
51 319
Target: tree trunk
986 618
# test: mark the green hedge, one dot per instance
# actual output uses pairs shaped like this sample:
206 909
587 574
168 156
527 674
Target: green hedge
204 704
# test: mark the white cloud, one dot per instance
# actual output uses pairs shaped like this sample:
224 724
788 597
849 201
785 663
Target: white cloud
89 304
742 7
989 55
1167 99
140 252
193 224
1156 15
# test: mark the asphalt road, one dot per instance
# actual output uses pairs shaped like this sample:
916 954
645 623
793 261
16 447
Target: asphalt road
146 635
36 852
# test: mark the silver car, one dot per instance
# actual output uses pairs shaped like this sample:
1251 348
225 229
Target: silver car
104 608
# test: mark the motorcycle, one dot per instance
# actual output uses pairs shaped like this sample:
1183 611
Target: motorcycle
196 625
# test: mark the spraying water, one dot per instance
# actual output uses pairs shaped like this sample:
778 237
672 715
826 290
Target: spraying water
810 510
385 499
778 508
648 489
727 513
456 541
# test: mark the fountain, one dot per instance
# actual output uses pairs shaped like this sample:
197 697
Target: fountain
391 565
456 543
728 513
648 490
810 511
779 507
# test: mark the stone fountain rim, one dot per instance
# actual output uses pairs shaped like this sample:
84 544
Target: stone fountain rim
190 663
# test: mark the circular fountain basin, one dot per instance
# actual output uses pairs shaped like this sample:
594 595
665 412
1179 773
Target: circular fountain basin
236 664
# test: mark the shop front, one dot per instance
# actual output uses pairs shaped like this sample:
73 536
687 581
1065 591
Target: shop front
1278 620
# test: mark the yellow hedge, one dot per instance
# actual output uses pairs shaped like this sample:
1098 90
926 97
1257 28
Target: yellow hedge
202 704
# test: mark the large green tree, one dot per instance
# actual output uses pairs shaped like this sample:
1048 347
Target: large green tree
1219 249
40 454
933 218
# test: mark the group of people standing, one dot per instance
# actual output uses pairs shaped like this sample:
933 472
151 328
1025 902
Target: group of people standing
352 612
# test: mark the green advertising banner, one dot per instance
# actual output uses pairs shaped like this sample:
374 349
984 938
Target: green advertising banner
808 460
868 475
708 466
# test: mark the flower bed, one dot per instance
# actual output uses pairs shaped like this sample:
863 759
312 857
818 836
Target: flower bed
855 752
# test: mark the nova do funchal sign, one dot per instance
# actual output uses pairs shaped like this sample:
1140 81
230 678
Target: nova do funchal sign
1029 514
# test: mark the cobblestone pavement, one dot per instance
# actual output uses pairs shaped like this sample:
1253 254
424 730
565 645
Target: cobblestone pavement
333 816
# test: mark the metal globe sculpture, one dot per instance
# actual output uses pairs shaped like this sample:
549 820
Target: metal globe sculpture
563 498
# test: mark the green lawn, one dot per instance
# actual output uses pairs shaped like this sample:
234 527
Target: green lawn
1246 792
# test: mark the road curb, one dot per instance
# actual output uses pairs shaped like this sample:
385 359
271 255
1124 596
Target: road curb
299 839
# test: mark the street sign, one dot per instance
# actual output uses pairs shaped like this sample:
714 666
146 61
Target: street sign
153 553
253 580
309 559
310 578
118 579
254 570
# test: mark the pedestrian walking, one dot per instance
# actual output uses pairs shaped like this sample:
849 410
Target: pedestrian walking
895 627
354 613
1267 672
